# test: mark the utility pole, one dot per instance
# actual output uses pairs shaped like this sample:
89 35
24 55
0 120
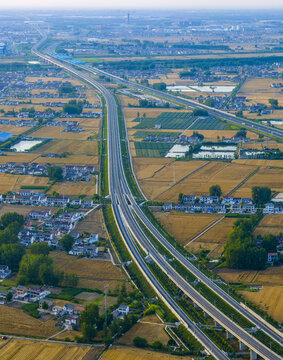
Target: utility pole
174 173
105 292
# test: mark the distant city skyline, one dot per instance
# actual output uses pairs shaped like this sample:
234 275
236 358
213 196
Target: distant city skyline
148 4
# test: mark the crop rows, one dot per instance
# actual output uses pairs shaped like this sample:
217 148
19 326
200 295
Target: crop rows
151 149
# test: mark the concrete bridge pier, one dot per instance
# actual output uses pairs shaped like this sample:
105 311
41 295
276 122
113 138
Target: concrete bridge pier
196 306
253 355
228 335
217 324
242 346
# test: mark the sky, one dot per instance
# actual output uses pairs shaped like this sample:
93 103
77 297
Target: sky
130 4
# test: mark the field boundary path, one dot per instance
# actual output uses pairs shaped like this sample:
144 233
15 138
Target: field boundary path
243 181
205 230
179 181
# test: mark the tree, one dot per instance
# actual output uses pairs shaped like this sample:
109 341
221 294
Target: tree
70 280
67 242
9 296
180 197
55 173
241 133
73 107
12 217
44 305
38 269
157 345
39 248
261 195
273 103
11 255
88 320
215 190
159 86
200 112
269 243
140 342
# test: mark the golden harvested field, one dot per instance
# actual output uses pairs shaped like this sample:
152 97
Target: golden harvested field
214 239
27 350
269 299
93 273
270 276
277 114
151 332
23 210
69 333
76 188
261 145
269 177
227 175
92 223
259 162
156 186
15 321
184 227
50 78
17 157
19 107
76 147
125 100
147 167
130 353
212 135
72 159
9 182
14 130
270 224
92 96
54 132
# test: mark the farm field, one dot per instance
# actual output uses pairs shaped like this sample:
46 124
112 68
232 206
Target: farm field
10 182
212 135
151 332
268 299
76 147
227 175
17 157
131 353
71 159
93 274
156 186
92 223
270 224
184 227
22 209
26 350
152 149
270 177
269 276
259 162
14 130
263 144
131 114
52 78
75 187
15 321
259 90
125 100
214 239
146 168
54 132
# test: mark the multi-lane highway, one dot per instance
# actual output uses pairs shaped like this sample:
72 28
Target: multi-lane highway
129 228
263 325
189 103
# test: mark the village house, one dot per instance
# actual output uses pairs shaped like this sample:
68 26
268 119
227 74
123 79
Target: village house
4 271
272 257
121 311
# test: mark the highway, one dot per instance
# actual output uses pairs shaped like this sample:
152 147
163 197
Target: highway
121 195
264 326
189 103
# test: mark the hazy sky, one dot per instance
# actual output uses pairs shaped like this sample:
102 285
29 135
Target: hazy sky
115 4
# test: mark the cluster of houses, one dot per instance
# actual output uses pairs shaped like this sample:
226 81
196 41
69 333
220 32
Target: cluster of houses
70 172
41 226
213 204
24 294
20 123
273 208
85 247
28 197
70 126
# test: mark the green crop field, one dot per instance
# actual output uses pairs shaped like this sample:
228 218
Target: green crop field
151 149
143 134
180 120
